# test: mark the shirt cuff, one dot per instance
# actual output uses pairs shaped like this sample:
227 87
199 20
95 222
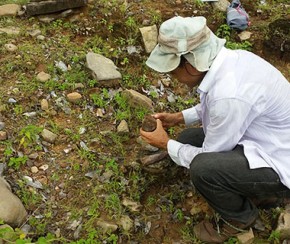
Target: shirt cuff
190 116
173 149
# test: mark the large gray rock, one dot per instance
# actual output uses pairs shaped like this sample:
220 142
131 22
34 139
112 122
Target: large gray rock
103 69
9 9
221 5
149 35
136 99
12 210
10 31
283 226
52 6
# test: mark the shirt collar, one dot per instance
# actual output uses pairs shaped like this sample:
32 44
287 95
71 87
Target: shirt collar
208 79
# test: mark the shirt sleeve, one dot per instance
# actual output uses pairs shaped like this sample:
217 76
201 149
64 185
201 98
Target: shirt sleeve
192 115
229 119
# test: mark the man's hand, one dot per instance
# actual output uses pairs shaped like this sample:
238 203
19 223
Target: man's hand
170 119
157 138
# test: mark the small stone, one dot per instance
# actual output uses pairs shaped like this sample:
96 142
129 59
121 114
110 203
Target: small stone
132 206
48 136
149 123
126 223
283 226
44 167
10 31
12 100
153 158
149 36
246 237
40 37
146 146
7 232
106 226
42 179
33 155
2 125
245 35
12 210
44 104
74 97
34 33
100 113
123 127
79 86
10 47
34 169
3 135
42 76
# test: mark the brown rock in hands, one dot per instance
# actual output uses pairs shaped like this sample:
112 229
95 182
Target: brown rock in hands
149 123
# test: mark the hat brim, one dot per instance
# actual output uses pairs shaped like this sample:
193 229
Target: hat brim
162 62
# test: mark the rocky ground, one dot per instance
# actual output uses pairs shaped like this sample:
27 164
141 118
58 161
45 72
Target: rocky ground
74 91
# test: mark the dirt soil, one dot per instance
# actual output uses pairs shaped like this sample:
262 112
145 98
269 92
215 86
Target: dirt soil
70 204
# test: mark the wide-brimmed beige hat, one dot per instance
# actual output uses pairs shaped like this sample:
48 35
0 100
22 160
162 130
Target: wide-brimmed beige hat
188 36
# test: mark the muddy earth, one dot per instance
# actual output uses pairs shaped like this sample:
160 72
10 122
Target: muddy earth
85 183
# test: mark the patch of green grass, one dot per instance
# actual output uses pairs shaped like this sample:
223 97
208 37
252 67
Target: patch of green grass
14 1
224 31
29 135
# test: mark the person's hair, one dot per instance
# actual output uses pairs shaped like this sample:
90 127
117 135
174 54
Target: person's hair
182 61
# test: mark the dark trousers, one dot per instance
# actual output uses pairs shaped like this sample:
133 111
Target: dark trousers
227 183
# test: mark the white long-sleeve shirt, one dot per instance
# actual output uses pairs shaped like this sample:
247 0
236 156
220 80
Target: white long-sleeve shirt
244 100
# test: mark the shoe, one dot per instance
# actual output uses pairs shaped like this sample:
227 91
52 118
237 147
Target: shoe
220 230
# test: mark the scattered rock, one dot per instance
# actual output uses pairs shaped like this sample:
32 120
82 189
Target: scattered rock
33 156
149 35
136 99
2 125
44 104
12 211
221 5
3 167
52 6
283 226
146 146
10 31
44 167
126 223
7 233
246 238
3 135
100 113
153 158
48 136
40 37
9 9
245 35
132 206
149 123
11 47
103 69
61 65
34 169
34 183
123 127
42 76
34 33
12 100
51 17
107 226
74 97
